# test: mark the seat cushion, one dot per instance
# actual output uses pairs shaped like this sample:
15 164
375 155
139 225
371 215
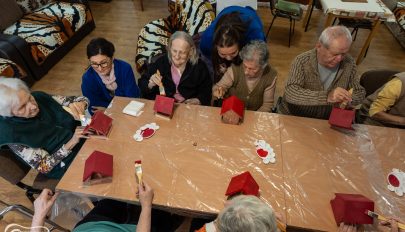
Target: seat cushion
290 7
9 13
49 27
10 69
28 6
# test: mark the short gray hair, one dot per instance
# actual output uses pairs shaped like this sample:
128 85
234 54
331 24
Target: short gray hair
256 50
186 37
9 88
247 213
331 33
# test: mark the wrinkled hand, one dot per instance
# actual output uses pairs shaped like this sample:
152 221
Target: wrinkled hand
339 95
75 138
155 79
218 92
94 109
193 101
77 109
223 68
230 117
145 194
43 203
346 228
393 223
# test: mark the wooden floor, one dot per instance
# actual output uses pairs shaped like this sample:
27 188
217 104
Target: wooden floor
120 22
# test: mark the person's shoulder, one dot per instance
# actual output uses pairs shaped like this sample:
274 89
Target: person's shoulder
122 63
40 94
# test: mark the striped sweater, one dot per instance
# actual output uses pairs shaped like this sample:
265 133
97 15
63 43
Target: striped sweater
304 94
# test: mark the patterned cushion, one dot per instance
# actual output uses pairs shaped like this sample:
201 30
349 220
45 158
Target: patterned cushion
28 6
400 16
192 16
10 69
49 27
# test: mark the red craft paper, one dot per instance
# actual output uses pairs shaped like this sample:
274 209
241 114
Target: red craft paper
351 208
262 153
393 180
243 183
164 105
341 118
100 163
235 104
100 124
147 133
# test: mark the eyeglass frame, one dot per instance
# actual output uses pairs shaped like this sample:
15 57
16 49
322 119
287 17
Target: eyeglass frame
102 65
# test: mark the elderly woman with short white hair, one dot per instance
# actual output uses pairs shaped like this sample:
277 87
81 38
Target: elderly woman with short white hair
253 82
180 74
244 214
37 128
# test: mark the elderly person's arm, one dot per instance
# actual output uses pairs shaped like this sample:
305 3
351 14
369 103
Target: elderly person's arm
268 97
205 86
359 92
220 88
75 105
386 98
40 159
295 92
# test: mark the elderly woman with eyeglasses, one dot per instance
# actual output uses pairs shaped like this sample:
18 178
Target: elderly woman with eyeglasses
106 77
180 74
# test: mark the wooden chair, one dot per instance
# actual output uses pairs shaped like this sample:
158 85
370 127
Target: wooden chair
285 9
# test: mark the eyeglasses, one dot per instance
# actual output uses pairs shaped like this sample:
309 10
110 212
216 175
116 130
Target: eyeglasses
103 64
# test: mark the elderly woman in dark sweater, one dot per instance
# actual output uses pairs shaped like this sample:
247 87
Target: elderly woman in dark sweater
40 129
180 74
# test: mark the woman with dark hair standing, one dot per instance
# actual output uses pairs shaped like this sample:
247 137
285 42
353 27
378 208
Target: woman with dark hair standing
220 44
106 77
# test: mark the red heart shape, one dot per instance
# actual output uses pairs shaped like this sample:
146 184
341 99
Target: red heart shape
393 180
262 153
147 133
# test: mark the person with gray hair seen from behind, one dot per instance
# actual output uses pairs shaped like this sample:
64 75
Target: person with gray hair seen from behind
322 77
253 82
40 129
180 74
244 214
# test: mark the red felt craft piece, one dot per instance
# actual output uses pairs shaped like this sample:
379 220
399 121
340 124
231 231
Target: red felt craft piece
341 118
147 133
235 104
164 105
243 183
100 124
100 163
351 208
262 153
393 180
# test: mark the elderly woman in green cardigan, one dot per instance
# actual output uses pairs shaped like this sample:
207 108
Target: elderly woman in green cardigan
40 129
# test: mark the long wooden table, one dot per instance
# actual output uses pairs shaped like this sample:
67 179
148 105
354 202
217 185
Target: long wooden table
191 158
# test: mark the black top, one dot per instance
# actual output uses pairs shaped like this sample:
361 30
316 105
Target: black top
195 82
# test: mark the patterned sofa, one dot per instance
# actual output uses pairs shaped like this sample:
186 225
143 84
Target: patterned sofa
397 28
43 31
191 16
12 65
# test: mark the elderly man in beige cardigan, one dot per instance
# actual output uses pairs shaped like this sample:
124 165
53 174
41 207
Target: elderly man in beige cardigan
322 77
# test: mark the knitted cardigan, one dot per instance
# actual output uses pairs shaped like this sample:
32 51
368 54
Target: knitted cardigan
304 93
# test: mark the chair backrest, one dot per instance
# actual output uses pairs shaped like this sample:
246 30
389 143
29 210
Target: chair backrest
12 169
374 79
